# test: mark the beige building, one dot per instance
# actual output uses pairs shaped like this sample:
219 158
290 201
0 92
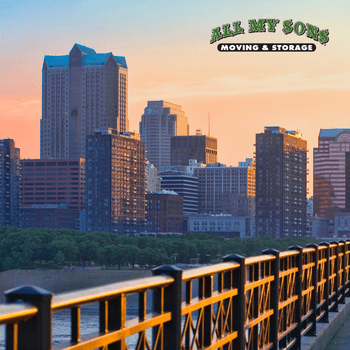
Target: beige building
152 179
219 186
160 121
81 92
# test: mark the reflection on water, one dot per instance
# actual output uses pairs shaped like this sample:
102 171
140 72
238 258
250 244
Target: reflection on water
61 320
61 326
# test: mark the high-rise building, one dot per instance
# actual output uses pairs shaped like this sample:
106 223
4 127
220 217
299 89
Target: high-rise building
115 185
164 212
281 166
200 147
181 180
9 183
219 185
53 181
81 91
152 178
160 121
347 181
53 216
329 171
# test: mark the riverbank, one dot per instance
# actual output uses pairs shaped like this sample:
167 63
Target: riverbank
60 281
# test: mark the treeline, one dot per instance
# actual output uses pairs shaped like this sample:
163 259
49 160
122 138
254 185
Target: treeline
27 248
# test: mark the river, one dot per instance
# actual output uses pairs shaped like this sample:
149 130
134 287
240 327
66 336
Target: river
61 326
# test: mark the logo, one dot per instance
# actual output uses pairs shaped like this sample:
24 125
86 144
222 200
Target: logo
269 25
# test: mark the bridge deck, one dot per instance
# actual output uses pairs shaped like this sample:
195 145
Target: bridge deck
342 339
334 335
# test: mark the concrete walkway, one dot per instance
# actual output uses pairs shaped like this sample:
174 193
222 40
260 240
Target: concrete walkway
334 335
342 339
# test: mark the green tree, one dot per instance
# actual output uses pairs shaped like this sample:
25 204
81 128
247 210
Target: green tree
107 255
59 258
132 254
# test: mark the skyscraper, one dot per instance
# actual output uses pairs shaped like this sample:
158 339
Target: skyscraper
200 147
9 183
164 212
281 159
329 171
115 182
81 91
184 183
53 181
218 185
160 121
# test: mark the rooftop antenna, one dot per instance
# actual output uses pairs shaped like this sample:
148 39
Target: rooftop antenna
209 124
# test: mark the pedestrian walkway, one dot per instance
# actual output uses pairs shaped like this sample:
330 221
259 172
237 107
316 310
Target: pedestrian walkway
332 335
342 340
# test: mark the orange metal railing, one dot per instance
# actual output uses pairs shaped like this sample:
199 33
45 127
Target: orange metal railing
261 302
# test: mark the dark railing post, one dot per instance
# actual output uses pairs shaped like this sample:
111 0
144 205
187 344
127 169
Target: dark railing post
299 289
36 333
208 310
346 283
116 318
314 295
326 287
336 279
239 308
274 300
172 303
343 267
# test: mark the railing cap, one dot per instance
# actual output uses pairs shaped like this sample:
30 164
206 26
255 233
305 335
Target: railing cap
30 291
296 247
233 257
312 245
271 251
166 269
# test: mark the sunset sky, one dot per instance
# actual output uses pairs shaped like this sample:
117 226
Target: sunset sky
169 56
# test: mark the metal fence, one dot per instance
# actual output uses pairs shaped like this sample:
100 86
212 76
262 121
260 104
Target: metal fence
261 302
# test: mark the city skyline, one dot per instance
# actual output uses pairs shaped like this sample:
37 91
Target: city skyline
170 58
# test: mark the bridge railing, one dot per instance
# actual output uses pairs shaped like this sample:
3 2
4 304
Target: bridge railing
261 302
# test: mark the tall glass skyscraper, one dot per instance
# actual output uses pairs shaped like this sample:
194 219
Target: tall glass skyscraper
160 121
81 92
329 171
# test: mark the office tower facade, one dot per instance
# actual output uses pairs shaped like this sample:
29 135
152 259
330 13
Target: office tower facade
164 212
115 186
330 172
152 178
184 183
342 225
81 91
347 181
160 121
281 169
52 216
200 147
9 183
218 185
53 182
